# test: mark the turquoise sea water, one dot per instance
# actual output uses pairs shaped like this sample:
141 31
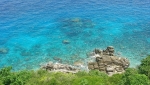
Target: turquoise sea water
33 30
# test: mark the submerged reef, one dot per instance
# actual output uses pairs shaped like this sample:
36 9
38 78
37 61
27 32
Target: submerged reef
102 60
3 50
74 26
65 41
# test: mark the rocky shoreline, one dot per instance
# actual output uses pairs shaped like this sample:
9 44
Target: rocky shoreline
102 60
58 67
106 61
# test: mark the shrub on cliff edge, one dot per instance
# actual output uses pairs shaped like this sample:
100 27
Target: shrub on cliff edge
144 67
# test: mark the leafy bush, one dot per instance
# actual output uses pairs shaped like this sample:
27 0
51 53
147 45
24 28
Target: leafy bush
137 79
90 80
144 67
132 77
115 79
98 73
43 77
94 77
65 78
1 82
81 73
40 77
5 71
131 71
13 78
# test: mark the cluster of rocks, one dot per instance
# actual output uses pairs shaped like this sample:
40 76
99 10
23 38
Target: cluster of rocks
102 60
106 61
58 67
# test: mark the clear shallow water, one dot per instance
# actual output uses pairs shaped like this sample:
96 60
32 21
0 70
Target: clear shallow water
33 30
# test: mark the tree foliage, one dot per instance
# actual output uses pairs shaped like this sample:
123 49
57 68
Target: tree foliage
14 78
144 67
132 77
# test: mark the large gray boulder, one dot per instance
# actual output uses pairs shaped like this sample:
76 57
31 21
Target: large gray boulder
106 61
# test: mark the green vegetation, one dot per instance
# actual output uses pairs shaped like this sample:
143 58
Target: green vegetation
144 68
13 78
132 76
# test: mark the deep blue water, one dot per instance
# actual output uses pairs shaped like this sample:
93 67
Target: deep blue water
33 30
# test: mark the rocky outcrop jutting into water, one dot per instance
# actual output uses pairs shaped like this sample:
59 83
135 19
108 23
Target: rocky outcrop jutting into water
106 61
103 60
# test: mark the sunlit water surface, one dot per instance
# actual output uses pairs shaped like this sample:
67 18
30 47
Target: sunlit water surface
33 31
